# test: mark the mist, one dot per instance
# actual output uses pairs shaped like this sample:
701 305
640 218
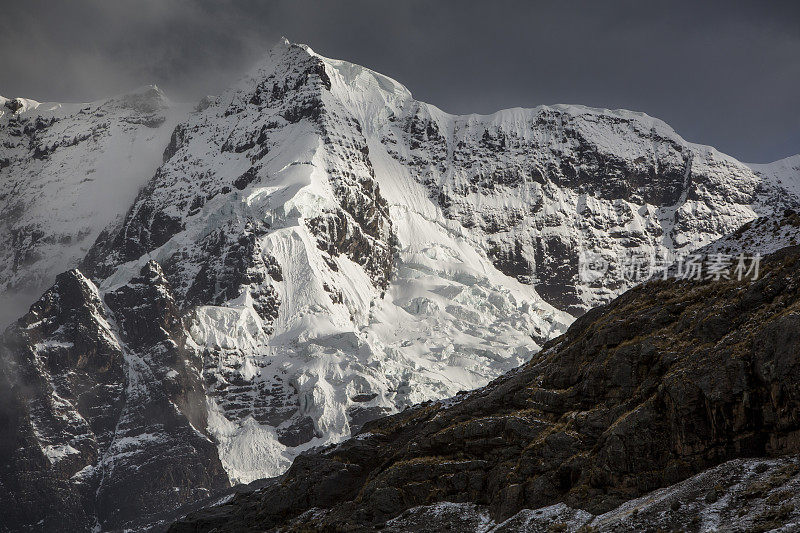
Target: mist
16 304
721 73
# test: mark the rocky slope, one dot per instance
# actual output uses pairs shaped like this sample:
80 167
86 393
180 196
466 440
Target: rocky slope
103 413
66 171
323 249
742 495
763 236
672 378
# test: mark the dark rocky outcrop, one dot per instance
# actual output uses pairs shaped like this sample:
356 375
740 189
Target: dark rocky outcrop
15 104
741 496
56 362
670 379
102 424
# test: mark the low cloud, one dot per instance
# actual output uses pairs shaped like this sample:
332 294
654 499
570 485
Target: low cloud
14 305
721 73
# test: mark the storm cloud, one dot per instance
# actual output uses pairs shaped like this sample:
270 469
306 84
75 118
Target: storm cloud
722 73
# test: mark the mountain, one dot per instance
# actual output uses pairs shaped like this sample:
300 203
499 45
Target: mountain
67 171
319 249
763 236
673 378
102 409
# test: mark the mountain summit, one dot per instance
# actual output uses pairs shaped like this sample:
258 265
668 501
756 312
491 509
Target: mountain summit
67 171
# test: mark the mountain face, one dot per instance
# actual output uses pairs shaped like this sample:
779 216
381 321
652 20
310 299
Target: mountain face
763 236
103 408
315 250
67 171
318 296
668 380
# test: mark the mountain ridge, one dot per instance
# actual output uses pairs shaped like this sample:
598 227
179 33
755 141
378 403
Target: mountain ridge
68 170
328 250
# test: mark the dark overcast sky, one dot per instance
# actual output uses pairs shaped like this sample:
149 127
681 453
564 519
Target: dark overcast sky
723 73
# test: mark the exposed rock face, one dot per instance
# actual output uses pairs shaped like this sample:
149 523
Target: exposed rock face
99 429
46 439
670 379
740 496
66 171
540 186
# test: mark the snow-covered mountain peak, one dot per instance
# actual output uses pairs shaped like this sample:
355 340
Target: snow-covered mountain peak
268 215
67 170
322 226
17 106
145 99
783 172
329 249
790 162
